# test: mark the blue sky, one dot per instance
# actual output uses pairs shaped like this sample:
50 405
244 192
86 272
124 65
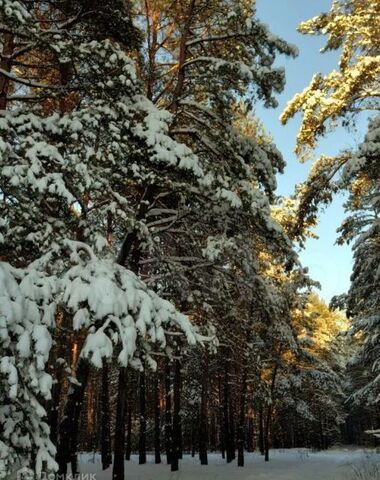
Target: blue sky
328 263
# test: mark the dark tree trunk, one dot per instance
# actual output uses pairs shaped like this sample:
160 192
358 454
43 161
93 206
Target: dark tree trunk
250 435
226 418
128 447
192 439
119 442
130 247
269 411
203 419
168 413
222 445
221 419
177 434
228 428
106 420
142 438
6 64
232 429
180 444
157 418
266 432
54 405
182 57
241 427
213 442
261 431
57 371
69 428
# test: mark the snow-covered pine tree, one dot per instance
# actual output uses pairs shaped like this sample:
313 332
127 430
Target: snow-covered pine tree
89 164
201 90
352 28
310 388
201 57
64 173
361 176
293 352
341 97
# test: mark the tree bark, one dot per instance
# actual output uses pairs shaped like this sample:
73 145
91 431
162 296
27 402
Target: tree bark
213 435
266 432
261 431
176 444
142 438
119 442
269 411
168 413
192 440
182 57
129 248
54 405
232 429
203 419
6 64
221 418
106 420
250 435
69 428
157 418
228 428
241 427
128 447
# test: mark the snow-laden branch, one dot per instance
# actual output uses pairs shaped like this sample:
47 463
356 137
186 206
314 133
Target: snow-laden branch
216 38
28 83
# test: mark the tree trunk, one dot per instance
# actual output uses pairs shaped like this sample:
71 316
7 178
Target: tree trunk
168 413
69 428
266 432
6 64
54 405
250 435
119 442
269 411
182 57
130 246
128 447
157 417
57 371
221 419
180 442
106 420
177 434
241 428
192 440
213 439
142 438
203 419
228 428
232 429
261 431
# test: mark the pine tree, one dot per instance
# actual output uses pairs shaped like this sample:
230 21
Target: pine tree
63 174
338 97
361 176
353 27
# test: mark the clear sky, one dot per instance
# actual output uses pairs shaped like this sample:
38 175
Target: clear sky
328 263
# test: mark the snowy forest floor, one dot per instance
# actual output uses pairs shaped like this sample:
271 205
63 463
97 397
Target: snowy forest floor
293 464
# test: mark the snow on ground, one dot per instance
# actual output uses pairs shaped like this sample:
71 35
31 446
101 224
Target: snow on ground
294 464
